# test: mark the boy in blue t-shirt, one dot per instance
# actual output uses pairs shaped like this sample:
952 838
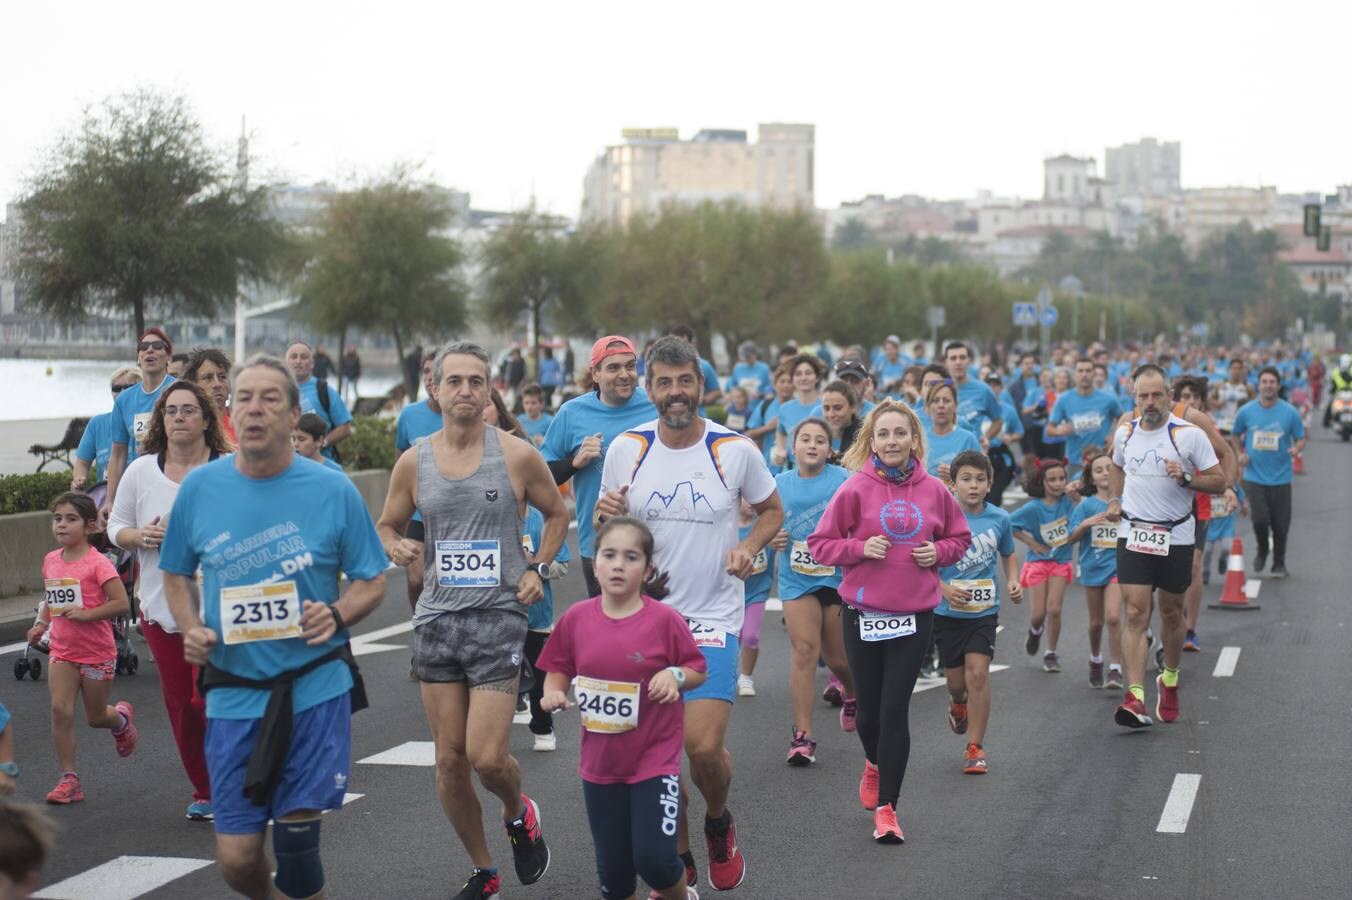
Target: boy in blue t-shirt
534 420
965 620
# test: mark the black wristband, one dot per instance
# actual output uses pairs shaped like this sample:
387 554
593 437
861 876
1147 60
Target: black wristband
338 624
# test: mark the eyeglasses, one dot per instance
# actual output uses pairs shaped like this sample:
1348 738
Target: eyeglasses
151 345
119 388
187 412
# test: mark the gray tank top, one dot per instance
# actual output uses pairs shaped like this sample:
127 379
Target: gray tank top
473 557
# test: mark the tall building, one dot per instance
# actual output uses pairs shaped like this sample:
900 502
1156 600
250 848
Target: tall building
1146 168
1069 179
654 167
1209 210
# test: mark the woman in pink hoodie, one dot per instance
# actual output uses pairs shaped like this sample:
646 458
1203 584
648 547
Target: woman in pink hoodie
889 528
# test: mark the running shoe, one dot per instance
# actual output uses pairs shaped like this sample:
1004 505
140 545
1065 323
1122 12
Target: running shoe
1166 706
200 811
1132 714
833 693
481 886
126 739
1096 674
1114 679
67 790
868 786
849 711
727 866
1260 562
1206 575
1032 642
957 717
1050 662
1279 571
746 687
545 743
529 852
802 750
885 827
1222 564
690 894
1191 644
974 761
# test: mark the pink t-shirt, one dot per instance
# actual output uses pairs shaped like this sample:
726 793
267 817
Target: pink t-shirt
588 643
82 642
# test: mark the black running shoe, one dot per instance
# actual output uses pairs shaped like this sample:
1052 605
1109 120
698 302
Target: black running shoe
481 886
529 852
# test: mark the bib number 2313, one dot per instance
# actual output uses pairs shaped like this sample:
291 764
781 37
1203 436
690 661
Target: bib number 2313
260 612
468 564
884 627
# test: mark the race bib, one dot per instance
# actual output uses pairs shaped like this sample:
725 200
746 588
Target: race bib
884 627
707 635
1151 539
801 562
140 424
1087 423
62 595
1054 534
260 612
468 564
607 707
1225 423
1220 507
982 591
736 421
1266 440
760 563
1103 536
751 386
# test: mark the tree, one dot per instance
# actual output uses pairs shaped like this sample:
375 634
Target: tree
380 260
135 210
853 234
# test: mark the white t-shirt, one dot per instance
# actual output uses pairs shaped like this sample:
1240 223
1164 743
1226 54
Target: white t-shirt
144 493
1149 493
690 499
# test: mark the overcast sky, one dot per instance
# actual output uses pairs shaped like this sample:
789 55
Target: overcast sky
512 100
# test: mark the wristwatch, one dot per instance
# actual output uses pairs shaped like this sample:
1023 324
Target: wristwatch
542 570
1187 479
12 768
679 674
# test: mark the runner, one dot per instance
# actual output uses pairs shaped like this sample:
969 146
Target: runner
632 657
808 588
756 590
1097 540
1190 392
1158 462
1001 450
968 613
210 368
584 428
852 372
539 625
1043 523
975 400
713 387
738 409
763 422
807 371
131 408
943 439
685 476
750 373
1272 435
320 397
1222 530
472 484
271 535
308 439
535 419
418 420
840 410
1084 416
97 441
1227 397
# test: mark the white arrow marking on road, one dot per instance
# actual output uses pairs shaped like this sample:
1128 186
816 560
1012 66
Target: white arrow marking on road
364 649
409 753
364 644
925 684
123 878
1252 587
1178 808
12 648
1226 662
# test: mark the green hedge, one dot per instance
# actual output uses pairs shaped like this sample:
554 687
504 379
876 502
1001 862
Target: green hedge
31 493
371 444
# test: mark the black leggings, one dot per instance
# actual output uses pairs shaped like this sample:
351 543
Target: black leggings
541 722
1270 506
634 828
884 674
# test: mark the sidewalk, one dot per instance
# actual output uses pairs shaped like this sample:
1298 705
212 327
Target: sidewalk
16 615
20 434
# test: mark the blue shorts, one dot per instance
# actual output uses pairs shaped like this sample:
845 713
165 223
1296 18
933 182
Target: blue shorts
314 776
721 682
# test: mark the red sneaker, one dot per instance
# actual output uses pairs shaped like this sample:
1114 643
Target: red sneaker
885 827
1132 714
67 790
957 717
1166 707
974 761
868 786
727 866
126 739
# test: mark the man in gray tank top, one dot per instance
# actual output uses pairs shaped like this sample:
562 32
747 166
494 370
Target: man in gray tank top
472 483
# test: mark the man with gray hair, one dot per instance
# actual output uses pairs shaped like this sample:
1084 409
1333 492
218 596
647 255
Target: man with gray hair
319 397
686 476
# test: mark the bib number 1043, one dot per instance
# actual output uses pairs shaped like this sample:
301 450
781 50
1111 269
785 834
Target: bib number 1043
1151 539
884 627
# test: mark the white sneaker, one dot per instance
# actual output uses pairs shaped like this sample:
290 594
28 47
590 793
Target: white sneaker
546 743
746 687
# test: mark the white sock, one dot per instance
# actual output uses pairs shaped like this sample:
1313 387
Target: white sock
1037 631
1096 660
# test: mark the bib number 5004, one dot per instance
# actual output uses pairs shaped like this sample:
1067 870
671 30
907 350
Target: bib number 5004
885 627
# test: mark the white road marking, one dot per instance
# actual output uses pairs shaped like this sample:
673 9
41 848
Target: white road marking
366 649
1178 808
13 648
1226 662
925 684
348 798
373 636
409 753
999 628
123 878
1252 587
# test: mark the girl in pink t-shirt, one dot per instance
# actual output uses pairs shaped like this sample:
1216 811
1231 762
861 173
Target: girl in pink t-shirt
631 655
82 592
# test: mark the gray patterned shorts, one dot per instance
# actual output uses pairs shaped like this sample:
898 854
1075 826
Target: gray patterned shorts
478 646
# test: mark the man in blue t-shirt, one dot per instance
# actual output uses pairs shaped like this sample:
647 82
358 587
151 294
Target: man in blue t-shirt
750 374
271 536
1273 435
1085 417
576 442
976 402
132 408
329 407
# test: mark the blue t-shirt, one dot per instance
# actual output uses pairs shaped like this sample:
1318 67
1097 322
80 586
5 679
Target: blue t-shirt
711 380
940 449
132 409
890 372
540 614
415 420
759 418
578 419
97 442
302 527
976 401
757 585
865 408
1094 418
551 372
992 538
309 403
1012 424
536 428
1268 433
791 412
332 466
1037 519
1098 564
754 378
805 499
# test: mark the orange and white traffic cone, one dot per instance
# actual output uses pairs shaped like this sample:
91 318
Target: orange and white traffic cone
1233 596
1298 464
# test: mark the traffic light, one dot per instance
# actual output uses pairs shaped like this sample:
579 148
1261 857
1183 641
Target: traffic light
1325 239
1311 219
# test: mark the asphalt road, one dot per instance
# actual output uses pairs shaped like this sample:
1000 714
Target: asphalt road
1072 806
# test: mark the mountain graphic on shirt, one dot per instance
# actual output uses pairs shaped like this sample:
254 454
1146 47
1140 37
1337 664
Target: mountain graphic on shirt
682 499
1136 464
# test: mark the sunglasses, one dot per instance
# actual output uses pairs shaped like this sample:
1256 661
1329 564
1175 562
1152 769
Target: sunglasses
151 345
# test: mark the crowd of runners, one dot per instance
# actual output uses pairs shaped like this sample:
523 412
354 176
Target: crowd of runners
881 496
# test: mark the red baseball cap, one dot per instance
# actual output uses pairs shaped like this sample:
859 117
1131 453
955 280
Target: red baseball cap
611 345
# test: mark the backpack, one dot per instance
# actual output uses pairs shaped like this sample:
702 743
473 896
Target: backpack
322 391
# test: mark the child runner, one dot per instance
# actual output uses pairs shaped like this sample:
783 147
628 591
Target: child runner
807 371
1097 538
738 410
1222 531
808 588
965 621
535 419
1043 523
764 418
82 592
539 623
309 438
631 656
757 591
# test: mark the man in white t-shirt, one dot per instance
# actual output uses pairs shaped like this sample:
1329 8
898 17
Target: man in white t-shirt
685 477
1159 461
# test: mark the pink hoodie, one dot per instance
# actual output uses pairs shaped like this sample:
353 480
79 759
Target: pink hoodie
919 509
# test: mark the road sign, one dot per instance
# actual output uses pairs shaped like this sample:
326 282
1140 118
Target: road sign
1049 316
1025 314
937 317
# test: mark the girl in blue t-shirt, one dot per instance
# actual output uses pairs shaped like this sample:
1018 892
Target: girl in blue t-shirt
756 591
808 589
1097 539
943 439
1224 508
738 410
807 371
1043 523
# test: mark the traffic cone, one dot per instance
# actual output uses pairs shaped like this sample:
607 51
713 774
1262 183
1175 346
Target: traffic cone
1298 464
1233 596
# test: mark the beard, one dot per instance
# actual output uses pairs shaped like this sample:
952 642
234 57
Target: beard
678 420
1152 417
